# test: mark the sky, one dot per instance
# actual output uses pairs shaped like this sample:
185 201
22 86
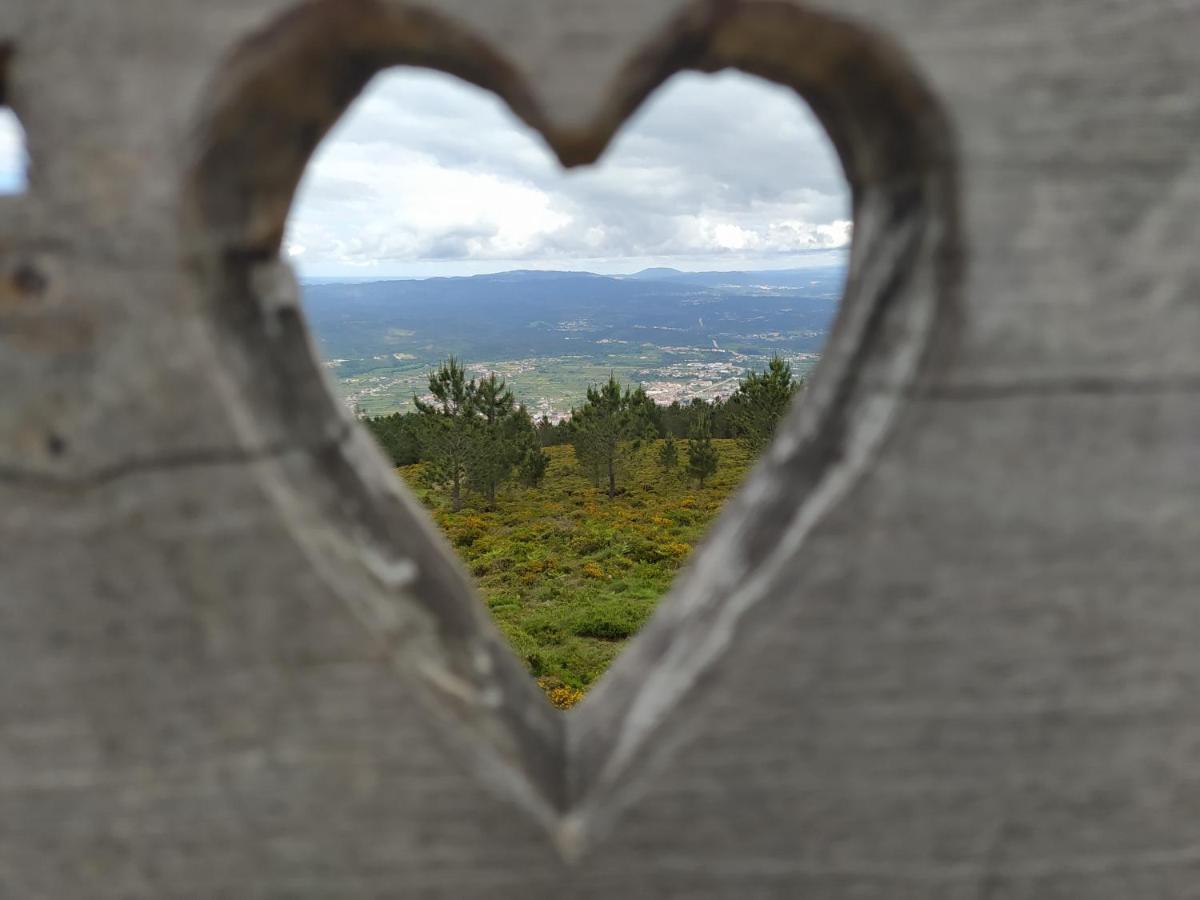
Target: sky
428 175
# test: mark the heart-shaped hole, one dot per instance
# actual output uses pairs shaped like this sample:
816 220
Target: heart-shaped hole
275 99
427 180
14 160
12 154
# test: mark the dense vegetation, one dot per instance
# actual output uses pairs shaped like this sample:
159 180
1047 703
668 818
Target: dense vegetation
575 529
569 574
750 414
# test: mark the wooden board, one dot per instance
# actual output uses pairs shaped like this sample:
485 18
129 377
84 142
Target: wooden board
942 645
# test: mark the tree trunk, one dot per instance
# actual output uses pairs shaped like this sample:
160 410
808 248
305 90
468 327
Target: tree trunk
456 493
612 478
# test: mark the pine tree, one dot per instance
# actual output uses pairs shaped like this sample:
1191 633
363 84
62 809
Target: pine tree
448 426
398 435
760 402
532 461
494 440
668 454
610 429
702 455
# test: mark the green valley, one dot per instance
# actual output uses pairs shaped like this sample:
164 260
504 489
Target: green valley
550 334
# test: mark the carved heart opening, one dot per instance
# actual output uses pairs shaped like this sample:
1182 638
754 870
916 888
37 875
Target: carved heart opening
427 176
270 106
13 157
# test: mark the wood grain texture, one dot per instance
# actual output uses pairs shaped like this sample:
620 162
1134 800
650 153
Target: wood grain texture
941 646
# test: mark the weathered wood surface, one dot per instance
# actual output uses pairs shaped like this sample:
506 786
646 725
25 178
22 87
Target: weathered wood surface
943 646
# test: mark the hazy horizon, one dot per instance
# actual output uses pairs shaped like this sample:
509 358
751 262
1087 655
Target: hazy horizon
819 259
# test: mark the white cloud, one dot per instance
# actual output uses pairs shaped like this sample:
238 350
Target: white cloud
393 204
428 175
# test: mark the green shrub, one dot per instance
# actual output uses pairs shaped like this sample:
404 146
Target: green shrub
609 618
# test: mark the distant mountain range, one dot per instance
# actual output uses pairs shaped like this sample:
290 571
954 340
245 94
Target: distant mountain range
550 333
776 277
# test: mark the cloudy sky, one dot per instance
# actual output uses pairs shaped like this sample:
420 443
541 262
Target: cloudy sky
426 175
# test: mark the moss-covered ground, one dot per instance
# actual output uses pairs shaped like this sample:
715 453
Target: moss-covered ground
569 574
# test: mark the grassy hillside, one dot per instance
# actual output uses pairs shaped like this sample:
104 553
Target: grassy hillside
570 575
